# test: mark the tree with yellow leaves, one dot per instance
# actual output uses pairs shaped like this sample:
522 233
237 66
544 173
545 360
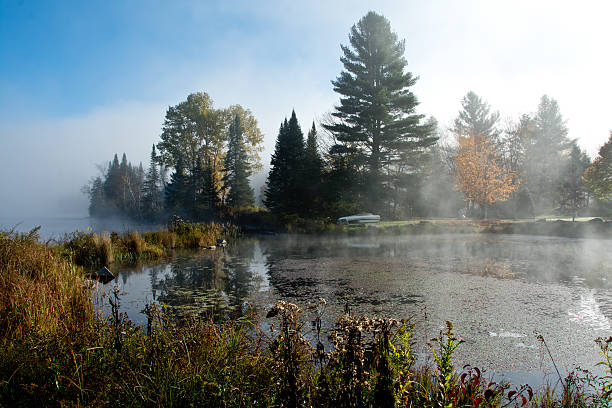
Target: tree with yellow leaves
479 174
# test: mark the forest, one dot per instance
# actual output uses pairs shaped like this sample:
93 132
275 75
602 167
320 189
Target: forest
372 153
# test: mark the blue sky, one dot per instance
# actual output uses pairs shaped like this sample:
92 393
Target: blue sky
64 58
82 80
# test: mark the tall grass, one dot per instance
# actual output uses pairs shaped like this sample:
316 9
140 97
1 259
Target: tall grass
40 291
94 250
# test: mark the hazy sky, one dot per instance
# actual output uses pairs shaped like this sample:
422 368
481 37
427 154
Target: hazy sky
82 80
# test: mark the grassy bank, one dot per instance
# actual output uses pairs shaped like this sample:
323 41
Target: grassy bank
93 250
256 220
595 228
55 350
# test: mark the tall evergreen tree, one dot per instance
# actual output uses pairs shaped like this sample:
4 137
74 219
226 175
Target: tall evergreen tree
545 154
112 184
152 196
97 201
285 193
124 174
377 120
312 173
572 189
118 190
237 169
476 118
176 192
208 196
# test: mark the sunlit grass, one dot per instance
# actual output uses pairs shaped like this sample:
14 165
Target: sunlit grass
93 250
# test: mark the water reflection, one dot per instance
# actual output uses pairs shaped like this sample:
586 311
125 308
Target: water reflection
206 283
497 289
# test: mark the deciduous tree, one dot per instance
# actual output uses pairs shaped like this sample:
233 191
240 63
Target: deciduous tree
479 174
599 175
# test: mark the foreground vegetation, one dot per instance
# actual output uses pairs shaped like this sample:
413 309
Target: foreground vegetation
56 350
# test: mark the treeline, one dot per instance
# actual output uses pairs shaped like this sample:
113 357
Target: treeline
521 169
210 154
373 153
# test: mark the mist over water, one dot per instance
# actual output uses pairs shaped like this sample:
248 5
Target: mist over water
58 227
498 290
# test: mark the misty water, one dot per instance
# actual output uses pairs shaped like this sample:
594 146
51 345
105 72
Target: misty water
56 228
498 290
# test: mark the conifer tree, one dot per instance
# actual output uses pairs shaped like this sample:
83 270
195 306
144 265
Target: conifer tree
97 201
176 191
572 189
112 184
237 169
284 194
545 154
202 194
475 118
376 120
152 198
208 197
312 173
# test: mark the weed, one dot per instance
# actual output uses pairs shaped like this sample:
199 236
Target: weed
443 357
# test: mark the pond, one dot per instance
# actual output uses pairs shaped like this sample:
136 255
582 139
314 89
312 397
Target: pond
498 290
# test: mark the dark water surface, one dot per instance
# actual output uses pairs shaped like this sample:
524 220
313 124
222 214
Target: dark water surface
496 289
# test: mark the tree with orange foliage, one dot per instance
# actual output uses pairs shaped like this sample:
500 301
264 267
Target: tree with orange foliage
479 174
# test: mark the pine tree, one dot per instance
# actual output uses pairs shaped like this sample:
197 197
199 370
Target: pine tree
377 123
475 118
208 197
545 154
112 185
237 169
202 195
285 193
124 171
176 191
152 198
97 201
572 189
312 174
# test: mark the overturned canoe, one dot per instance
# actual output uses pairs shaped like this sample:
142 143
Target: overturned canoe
359 219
